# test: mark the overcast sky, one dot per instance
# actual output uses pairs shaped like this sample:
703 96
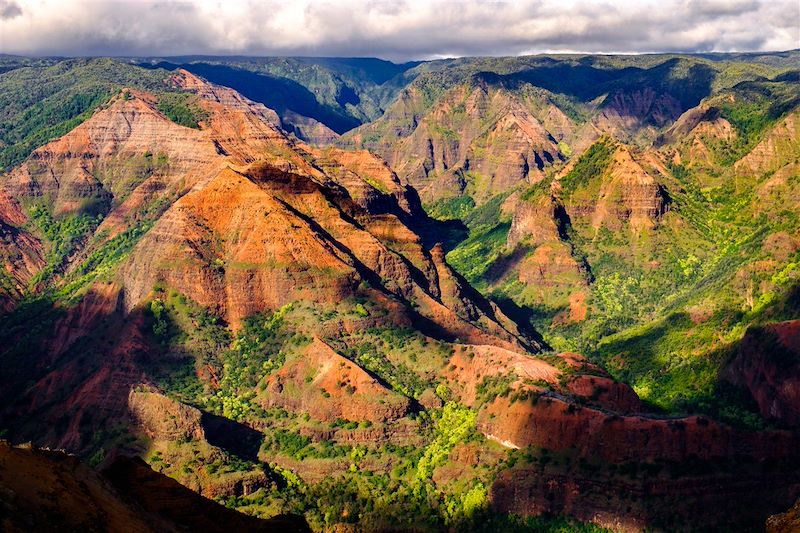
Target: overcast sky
394 29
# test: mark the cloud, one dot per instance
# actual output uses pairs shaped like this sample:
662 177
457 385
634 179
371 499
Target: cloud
397 30
9 9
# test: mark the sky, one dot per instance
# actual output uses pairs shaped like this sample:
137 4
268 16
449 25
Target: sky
398 30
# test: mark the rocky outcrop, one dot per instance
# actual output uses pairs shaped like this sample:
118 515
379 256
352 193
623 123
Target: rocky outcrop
471 367
534 219
695 130
162 418
624 113
625 195
308 129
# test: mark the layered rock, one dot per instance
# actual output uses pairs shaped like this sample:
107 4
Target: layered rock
648 496
697 133
625 113
625 194
779 147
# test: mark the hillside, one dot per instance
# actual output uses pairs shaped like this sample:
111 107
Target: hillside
554 293
604 197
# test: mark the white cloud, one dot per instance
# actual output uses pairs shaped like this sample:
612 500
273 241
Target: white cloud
398 30
9 9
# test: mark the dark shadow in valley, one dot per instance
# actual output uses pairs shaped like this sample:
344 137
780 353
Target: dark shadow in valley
274 92
182 508
523 316
231 436
505 263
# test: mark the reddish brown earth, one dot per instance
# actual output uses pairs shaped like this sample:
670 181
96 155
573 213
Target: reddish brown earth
650 496
22 255
548 421
42 490
628 113
780 147
634 472
328 387
474 128
787 522
767 365
626 196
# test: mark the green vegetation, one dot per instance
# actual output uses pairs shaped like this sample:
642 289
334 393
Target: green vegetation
255 352
102 260
122 178
182 109
44 101
64 235
590 166
453 425
455 208
752 108
371 351
488 232
44 122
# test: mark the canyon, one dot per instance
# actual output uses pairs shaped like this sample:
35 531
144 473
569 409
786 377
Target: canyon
507 296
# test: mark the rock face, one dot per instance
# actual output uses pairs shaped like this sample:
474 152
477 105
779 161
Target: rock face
478 138
665 474
696 132
698 123
623 194
165 419
660 499
626 112
767 365
555 424
780 147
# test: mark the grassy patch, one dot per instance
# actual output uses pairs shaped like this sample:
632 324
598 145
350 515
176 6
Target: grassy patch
590 166
182 109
